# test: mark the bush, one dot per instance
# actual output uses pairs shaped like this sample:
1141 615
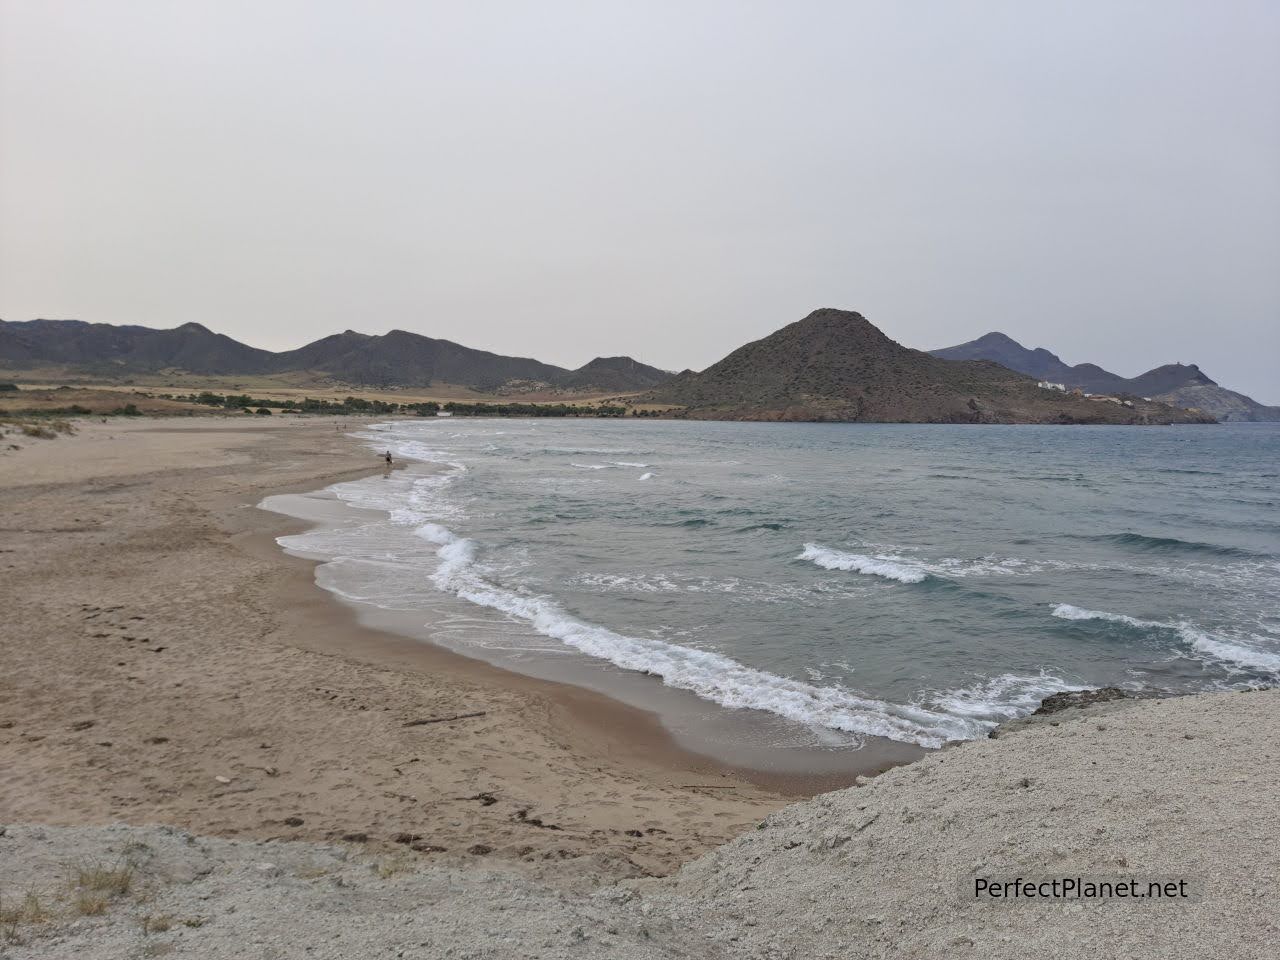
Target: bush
263 411
75 410
8 387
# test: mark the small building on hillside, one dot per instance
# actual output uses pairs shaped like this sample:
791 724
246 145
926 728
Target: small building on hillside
1048 385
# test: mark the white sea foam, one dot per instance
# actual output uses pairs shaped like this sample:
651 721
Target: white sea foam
590 466
1003 697
1234 652
980 567
627 463
1239 654
748 591
892 569
913 569
646 476
1065 611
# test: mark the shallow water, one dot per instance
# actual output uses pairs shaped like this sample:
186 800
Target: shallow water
914 582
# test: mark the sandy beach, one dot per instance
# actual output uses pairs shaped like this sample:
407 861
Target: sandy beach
281 781
158 640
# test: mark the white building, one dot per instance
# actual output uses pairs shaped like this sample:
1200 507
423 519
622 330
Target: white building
1046 385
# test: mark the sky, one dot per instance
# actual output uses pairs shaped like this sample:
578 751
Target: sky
662 179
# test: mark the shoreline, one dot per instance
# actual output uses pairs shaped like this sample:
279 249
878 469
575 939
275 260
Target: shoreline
324 623
163 648
596 690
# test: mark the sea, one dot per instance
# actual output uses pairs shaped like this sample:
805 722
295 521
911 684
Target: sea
774 590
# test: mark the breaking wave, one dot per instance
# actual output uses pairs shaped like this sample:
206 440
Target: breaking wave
910 569
1233 653
830 559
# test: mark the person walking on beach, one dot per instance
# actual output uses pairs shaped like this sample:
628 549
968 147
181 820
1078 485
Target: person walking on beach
388 458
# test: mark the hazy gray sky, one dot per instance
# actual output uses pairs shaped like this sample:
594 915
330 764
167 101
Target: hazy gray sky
664 179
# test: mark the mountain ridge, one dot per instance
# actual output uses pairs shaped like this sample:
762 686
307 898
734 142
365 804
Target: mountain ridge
397 358
1174 383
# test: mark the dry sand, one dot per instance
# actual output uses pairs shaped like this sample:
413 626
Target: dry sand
154 528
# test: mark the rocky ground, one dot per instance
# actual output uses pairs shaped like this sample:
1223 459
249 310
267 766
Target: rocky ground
1177 788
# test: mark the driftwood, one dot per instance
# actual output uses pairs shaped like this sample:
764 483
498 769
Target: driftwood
710 786
456 716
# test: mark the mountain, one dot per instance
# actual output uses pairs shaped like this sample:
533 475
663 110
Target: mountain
614 373
1219 402
1169 377
398 358
104 348
835 365
1183 385
14 348
323 353
1007 352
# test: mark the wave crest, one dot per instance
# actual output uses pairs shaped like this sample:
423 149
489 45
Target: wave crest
830 559
1148 544
1233 653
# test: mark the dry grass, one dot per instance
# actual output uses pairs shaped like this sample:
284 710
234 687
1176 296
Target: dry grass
107 881
156 923
90 904
39 430
393 866
90 888
29 910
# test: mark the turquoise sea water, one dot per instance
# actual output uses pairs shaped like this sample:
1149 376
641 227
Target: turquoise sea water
915 582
